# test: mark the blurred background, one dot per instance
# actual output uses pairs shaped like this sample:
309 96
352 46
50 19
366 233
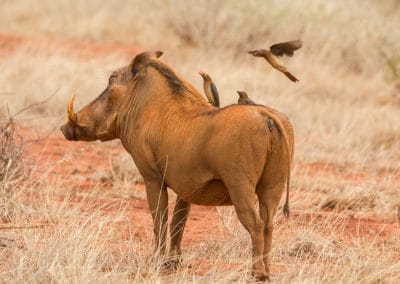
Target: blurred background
345 107
75 212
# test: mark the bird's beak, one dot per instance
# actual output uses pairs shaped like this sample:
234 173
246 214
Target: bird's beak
257 53
201 73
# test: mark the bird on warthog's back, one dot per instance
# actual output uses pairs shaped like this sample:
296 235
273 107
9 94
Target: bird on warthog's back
210 90
244 99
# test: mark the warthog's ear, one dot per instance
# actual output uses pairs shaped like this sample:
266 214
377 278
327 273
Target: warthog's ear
157 53
141 62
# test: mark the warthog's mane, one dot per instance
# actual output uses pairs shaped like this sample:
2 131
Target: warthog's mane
174 83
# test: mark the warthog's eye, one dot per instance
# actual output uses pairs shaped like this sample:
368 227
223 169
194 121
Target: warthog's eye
133 72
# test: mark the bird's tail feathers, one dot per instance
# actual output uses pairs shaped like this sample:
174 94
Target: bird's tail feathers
290 76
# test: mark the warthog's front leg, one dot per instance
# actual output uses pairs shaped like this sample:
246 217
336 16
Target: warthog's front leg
181 213
157 198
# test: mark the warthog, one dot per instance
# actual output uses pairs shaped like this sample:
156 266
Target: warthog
207 155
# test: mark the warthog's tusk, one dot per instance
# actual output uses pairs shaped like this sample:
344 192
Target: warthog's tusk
71 113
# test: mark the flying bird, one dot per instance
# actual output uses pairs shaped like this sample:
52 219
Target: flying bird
279 49
210 89
244 99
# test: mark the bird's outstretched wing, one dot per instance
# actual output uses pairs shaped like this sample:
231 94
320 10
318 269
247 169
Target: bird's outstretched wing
286 48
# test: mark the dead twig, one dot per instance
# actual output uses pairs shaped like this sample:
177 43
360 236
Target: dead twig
33 105
16 227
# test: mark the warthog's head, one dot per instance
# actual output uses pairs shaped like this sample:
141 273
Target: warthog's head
97 119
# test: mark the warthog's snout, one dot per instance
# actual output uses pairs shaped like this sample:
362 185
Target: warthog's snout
68 132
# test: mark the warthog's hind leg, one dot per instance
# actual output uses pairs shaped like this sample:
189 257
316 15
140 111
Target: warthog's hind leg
268 200
243 200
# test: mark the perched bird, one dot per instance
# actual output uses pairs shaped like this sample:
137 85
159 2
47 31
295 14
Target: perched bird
279 49
244 99
210 89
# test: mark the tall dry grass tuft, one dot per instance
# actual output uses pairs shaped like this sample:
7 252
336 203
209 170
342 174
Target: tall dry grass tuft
12 170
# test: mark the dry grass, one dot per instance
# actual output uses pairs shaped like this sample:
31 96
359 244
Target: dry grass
327 254
345 110
82 242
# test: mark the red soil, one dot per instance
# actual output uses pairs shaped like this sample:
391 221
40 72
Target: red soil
11 44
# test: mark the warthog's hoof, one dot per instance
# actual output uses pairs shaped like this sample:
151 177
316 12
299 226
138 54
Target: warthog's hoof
172 263
261 277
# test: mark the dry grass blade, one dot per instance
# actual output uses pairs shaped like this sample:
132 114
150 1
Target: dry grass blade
30 226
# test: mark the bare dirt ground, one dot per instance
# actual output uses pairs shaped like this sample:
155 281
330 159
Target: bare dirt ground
86 167
9 44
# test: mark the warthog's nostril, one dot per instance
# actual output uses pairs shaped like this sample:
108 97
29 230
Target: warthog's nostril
68 132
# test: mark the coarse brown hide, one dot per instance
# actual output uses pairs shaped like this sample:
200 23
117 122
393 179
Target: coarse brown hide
206 155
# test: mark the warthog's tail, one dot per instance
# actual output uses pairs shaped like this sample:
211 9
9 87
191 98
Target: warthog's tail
286 210
275 118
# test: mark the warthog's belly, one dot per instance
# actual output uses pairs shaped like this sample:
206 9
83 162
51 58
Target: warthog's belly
214 193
